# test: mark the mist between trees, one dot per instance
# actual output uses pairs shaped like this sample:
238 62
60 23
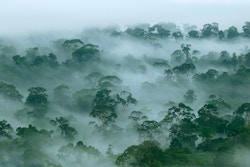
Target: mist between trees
148 96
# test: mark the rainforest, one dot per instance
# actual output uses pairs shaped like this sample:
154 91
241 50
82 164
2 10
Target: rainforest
148 95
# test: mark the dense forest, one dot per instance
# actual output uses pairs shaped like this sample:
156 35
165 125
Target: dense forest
145 96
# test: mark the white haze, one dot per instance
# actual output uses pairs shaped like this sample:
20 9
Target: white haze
22 17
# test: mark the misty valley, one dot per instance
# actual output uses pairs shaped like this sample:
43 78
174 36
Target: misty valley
158 95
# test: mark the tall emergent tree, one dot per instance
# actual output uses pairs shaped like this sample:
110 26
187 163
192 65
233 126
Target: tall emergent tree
37 97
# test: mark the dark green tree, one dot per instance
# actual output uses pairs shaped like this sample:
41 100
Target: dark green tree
39 60
148 130
209 122
185 48
86 53
66 130
232 32
236 126
225 58
158 31
176 114
104 110
52 60
185 68
6 130
72 45
244 111
221 34
32 137
109 82
125 98
247 59
19 60
37 97
177 35
193 34
147 154
137 32
210 30
246 29
183 135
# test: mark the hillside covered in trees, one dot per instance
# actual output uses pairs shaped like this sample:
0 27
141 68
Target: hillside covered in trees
146 96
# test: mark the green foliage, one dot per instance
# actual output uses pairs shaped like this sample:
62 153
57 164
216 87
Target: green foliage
36 60
109 82
148 130
185 48
103 97
193 34
236 126
147 154
209 134
32 137
5 130
184 134
212 145
125 98
158 31
37 97
104 110
78 150
232 32
66 130
246 29
19 60
244 110
178 113
184 68
247 59
137 32
209 123
86 53
210 76
177 35
80 146
72 45
210 30
225 58
34 157
9 91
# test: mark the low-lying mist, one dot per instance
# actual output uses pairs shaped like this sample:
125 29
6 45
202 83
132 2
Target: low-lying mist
149 95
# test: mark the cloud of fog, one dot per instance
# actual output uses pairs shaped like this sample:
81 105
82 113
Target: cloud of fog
19 17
